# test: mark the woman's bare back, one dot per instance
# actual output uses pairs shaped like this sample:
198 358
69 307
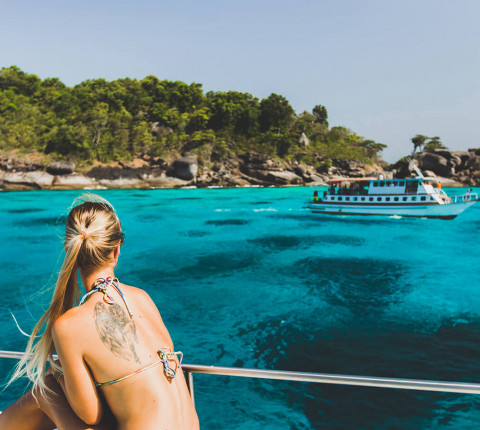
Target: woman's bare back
114 345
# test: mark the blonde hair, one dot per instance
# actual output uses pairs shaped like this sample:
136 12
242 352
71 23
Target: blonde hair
93 231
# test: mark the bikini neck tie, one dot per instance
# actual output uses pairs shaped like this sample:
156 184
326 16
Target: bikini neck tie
101 285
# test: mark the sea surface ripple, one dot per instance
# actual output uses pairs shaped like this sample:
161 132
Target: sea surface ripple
247 278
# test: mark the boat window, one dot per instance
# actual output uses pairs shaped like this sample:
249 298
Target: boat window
431 198
355 198
371 199
394 183
347 198
396 199
379 199
382 184
404 199
388 184
363 199
340 198
387 199
423 198
375 184
401 183
414 199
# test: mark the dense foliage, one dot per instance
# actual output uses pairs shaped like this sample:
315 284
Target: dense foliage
121 119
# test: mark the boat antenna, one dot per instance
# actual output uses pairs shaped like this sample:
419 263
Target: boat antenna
414 166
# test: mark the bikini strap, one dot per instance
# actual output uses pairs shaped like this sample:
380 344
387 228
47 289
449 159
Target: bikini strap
164 354
100 285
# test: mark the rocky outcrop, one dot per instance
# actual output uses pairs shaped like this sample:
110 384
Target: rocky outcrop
14 164
355 169
459 167
26 180
61 168
68 182
453 168
436 163
262 170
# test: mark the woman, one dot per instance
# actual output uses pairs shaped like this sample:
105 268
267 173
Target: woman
114 351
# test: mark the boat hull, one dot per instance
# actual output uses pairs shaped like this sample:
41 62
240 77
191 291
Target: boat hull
445 211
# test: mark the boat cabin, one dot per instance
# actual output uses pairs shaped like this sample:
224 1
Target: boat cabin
374 190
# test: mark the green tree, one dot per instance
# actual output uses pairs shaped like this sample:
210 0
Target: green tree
235 112
372 148
275 112
321 114
418 142
434 143
19 81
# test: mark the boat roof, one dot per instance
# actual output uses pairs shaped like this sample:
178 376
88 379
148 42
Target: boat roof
373 178
340 180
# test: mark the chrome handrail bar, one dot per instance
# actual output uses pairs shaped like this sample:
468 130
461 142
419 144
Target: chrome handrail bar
469 197
325 378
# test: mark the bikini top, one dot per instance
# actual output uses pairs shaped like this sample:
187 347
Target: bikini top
101 285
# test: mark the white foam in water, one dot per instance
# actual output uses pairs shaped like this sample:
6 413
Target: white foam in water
265 210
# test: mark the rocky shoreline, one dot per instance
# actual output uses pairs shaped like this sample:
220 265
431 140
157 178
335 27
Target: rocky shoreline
452 168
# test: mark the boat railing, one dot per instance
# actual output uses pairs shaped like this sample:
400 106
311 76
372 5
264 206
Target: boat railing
318 378
468 197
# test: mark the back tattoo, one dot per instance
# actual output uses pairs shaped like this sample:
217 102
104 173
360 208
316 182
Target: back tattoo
117 332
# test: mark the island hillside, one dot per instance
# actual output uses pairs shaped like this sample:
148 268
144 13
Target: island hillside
131 133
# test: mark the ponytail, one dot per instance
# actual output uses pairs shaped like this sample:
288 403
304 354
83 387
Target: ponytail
34 362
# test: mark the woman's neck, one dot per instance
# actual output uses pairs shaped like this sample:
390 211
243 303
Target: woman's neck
88 279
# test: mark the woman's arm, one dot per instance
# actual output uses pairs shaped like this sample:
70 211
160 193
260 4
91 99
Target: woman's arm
77 382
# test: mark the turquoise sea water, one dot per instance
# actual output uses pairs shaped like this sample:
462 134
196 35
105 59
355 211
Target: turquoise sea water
247 278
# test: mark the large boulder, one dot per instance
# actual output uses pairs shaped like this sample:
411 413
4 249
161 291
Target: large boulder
300 170
473 163
463 155
26 180
303 140
61 168
317 180
436 163
73 182
283 178
185 168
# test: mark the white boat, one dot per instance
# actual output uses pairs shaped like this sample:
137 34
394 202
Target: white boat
416 197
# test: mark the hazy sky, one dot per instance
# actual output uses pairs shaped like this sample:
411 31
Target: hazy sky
387 69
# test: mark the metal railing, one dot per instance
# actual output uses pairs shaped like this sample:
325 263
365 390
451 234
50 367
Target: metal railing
469 197
319 378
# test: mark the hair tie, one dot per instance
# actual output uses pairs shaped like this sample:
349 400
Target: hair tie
83 234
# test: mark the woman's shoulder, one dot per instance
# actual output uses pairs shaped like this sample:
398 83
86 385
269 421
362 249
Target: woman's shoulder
141 298
137 294
69 323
